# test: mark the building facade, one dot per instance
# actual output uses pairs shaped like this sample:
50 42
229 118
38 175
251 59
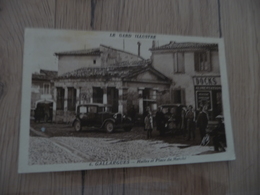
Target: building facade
195 73
109 76
42 92
92 58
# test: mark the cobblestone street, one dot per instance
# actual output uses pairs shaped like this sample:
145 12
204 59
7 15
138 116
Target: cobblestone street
60 144
66 130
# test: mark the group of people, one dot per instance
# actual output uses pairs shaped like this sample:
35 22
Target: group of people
201 123
187 122
218 133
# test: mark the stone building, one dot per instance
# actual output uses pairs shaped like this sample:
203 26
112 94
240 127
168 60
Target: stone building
195 72
42 91
109 76
97 57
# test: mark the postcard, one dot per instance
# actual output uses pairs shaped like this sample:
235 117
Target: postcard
99 100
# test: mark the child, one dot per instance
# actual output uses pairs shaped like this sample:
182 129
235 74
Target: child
148 124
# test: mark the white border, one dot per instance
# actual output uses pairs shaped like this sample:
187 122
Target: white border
23 166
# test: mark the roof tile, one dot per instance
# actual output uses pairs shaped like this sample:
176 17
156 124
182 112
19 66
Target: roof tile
119 70
186 45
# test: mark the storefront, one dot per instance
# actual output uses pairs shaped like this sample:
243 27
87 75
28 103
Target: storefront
208 94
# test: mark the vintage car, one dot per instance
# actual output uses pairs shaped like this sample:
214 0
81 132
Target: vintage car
43 112
100 116
172 118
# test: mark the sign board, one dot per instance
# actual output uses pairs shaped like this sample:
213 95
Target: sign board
206 80
204 98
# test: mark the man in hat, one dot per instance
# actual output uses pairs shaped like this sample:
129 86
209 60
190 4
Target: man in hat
202 122
160 121
190 116
219 136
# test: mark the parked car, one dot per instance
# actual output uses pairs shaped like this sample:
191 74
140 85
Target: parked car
172 114
43 112
100 116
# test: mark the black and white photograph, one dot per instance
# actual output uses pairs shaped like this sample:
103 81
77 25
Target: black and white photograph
96 100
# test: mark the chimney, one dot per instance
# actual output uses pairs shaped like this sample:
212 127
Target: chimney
139 45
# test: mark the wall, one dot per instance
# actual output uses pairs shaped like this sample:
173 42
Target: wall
38 93
70 63
164 62
108 57
112 56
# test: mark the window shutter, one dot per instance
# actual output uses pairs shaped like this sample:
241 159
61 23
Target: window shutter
197 61
175 62
180 64
209 61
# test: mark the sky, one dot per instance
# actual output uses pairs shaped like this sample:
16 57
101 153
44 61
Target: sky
41 44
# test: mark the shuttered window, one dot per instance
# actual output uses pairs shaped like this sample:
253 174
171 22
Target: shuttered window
97 95
179 62
178 96
71 98
202 61
60 98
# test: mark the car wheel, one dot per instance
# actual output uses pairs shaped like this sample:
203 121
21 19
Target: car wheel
77 125
109 126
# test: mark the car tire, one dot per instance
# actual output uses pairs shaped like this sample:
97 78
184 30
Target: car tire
109 126
77 126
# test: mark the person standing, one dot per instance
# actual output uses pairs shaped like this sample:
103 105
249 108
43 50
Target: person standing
219 135
132 113
148 125
178 117
183 120
147 110
190 116
160 121
202 122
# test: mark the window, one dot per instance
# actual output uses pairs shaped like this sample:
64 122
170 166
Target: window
82 110
146 93
94 61
97 95
179 62
202 61
60 98
92 109
46 88
71 98
178 96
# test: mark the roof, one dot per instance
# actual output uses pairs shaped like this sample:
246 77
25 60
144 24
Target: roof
171 105
120 70
91 52
108 47
124 70
95 104
45 75
186 45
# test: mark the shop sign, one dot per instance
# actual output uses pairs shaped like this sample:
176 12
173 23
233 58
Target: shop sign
206 81
204 98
